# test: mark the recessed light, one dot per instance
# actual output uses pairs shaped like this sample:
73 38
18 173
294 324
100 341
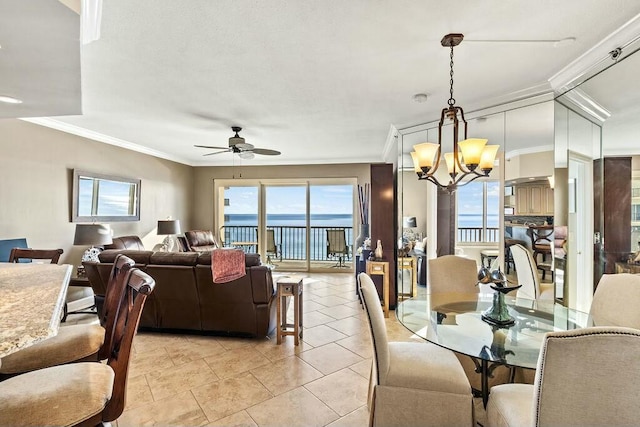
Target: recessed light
420 97
532 179
10 100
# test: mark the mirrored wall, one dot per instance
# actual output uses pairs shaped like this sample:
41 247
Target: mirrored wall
598 124
487 214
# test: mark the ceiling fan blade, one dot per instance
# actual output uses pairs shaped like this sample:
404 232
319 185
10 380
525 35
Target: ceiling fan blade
211 147
244 146
217 152
266 152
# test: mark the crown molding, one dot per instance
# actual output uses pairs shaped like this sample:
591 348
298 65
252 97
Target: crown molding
592 60
578 99
390 144
100 137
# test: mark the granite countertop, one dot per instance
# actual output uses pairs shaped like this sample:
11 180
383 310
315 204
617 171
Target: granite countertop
32 298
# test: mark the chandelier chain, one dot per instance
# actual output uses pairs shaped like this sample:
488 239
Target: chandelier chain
452 100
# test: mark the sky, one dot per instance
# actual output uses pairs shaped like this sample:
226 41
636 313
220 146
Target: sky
325 199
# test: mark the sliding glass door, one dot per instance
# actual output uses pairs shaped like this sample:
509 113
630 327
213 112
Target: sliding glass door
295 226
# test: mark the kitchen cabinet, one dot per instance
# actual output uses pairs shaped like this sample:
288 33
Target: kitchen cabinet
534 199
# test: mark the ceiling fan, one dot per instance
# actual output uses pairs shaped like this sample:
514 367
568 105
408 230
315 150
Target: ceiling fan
241 148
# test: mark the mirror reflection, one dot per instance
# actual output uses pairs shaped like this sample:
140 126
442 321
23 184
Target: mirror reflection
98 197
606 108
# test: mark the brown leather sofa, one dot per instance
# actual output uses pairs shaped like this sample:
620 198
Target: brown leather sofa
185 297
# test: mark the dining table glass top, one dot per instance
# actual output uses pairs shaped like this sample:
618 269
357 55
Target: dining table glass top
453 321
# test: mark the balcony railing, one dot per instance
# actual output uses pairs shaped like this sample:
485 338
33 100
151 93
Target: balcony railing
290 241
474 235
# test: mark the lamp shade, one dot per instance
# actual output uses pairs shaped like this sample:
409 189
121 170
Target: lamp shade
92 234
409 222
426 154
472 150
168 226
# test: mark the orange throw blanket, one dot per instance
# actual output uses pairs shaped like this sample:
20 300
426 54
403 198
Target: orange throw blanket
227 265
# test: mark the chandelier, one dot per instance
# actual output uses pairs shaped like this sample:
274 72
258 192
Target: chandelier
471 158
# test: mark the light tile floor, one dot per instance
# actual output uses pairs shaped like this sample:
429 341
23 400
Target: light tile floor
222 381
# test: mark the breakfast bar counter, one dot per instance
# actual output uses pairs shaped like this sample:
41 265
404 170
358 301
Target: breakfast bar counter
32 299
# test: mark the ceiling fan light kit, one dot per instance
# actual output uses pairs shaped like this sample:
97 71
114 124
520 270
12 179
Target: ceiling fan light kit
471 158
238 146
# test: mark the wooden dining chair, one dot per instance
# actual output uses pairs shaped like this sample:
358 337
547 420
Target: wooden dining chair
579 382
74 343
412 383
18 254
86 394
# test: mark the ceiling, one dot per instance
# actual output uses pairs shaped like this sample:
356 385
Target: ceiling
322 82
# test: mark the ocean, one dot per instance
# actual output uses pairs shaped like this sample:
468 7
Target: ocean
299 220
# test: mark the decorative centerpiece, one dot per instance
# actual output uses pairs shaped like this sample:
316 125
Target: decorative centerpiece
497 314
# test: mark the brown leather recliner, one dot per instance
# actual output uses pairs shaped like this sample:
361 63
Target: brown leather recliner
185 297
201 240
126 242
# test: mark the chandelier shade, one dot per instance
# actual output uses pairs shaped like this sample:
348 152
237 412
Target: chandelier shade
470 159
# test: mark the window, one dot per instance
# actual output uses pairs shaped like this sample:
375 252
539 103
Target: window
478 218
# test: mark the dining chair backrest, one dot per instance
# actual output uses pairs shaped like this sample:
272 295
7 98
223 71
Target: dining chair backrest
451 273
18 254
377 328
115 288
588 377
138 286
526 271
616 301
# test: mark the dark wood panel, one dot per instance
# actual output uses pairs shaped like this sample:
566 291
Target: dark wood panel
383 224
613 207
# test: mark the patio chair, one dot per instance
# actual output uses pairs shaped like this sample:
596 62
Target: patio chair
337 246
272 248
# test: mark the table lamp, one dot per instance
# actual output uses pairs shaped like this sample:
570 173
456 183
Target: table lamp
92 234
168 227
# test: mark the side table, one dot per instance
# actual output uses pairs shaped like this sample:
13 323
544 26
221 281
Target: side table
381 268
409 263
289 287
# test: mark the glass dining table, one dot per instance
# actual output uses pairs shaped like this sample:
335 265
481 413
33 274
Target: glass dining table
454 321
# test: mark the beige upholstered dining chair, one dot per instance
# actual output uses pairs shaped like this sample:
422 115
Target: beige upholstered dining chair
528 276
80 393
74 343
457 274
616 301
412 383
579 382
451 273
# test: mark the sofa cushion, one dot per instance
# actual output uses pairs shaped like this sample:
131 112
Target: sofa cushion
173 258
140 257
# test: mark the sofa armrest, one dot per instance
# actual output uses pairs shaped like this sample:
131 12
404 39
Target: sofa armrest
261 284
